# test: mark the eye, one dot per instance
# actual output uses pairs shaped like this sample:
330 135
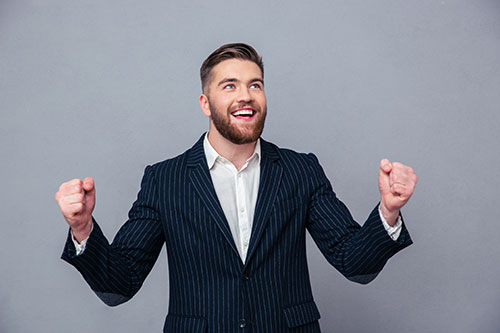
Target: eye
255 86
229 86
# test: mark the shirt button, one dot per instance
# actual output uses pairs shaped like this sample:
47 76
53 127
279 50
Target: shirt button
243 323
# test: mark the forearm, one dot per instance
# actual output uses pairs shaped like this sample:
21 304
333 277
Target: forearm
359 253
101 265
367 251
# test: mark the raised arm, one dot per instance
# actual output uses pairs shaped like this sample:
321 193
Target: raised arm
359 253
116 271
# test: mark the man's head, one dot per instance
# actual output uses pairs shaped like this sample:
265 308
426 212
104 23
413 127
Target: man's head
239 51
233 93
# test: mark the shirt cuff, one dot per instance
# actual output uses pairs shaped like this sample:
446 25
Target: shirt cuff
395 231
80 247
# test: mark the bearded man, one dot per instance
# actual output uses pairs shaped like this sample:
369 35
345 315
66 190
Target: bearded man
233 211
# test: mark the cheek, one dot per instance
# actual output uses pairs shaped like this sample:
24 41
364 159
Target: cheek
226 102
221 104
261 99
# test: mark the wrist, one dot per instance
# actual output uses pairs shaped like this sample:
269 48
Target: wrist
82 232
390 216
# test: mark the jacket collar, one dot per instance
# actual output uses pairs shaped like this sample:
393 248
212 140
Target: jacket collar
270 179
196 155
212 155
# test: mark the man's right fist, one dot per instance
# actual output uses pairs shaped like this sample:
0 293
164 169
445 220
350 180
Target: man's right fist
76 198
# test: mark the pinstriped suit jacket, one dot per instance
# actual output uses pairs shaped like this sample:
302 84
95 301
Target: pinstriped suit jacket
211 290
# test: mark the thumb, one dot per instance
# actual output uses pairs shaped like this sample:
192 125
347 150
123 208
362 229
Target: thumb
385 165
88 184
89 187
383 175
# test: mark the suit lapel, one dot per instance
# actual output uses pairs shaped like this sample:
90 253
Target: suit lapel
202 182
270 179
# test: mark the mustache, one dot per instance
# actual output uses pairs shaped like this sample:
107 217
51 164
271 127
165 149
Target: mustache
243 106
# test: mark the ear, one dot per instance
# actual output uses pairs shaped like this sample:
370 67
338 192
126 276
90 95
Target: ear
205 107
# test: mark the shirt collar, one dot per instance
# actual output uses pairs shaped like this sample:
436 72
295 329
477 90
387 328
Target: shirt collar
212 156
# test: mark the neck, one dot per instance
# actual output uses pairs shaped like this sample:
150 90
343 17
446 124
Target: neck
237 154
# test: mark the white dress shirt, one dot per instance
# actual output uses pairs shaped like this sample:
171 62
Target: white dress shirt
236 191
237 194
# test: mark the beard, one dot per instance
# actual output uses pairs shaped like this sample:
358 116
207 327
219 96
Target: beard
231 132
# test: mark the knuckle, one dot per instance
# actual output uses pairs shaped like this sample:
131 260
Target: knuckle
75 181
65 211
67 188
78 207
64 186
75 189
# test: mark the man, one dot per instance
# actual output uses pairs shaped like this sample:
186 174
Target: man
233 211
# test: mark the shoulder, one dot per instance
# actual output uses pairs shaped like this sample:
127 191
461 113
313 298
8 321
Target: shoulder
290 158
190 157
287 153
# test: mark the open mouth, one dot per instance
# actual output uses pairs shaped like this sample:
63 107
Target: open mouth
245 113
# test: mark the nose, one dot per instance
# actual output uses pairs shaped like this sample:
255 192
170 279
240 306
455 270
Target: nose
245 95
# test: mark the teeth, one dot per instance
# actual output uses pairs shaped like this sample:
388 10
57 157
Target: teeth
243 113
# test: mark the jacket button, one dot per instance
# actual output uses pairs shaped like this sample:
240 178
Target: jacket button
245 277
243 323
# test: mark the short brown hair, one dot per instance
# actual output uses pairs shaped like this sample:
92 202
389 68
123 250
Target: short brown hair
225 52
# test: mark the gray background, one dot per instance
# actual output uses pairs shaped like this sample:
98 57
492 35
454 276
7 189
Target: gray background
103 88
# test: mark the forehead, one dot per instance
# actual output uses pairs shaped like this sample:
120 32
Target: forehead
236 68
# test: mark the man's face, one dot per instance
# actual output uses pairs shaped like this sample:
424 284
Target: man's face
236 100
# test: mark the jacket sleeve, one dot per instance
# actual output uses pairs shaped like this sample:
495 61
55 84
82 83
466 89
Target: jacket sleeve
359 253
116 272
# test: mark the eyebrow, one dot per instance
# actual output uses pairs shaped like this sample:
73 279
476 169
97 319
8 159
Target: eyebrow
231 80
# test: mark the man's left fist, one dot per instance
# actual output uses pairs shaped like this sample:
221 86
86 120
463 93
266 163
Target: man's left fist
396 183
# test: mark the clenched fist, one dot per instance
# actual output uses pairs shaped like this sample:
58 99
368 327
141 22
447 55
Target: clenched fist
76 198
396 183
